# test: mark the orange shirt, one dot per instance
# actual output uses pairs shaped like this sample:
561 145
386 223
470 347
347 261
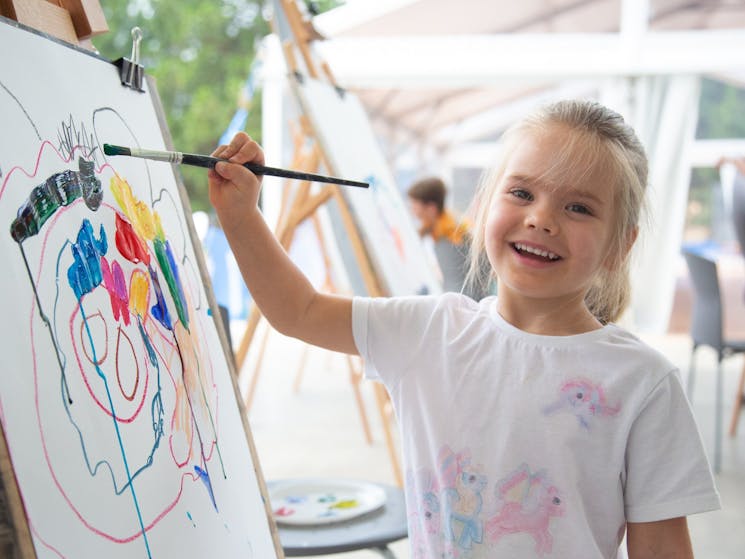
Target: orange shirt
446 227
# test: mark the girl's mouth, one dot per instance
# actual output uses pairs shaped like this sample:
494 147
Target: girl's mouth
536 253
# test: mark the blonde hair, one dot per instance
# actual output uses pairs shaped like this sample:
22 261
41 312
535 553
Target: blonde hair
598 137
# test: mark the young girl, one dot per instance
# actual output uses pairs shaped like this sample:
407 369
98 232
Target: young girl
531 425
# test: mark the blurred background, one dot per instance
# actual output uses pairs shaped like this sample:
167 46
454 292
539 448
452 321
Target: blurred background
440 81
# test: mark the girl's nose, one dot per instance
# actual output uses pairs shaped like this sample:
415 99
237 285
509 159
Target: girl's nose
542 219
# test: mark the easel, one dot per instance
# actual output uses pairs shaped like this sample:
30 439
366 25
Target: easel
74 21
297 206
303 207
15 536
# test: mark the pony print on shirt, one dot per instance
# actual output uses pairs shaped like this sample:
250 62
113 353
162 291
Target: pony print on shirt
584 399
526 502
424 517
451 516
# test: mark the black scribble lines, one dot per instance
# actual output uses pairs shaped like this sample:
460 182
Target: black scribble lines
71 139
23 109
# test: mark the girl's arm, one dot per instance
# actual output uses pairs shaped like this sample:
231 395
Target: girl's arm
283 294
665 539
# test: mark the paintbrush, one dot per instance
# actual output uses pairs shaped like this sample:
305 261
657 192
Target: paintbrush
209 162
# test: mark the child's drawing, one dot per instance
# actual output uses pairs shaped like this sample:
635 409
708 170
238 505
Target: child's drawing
116 398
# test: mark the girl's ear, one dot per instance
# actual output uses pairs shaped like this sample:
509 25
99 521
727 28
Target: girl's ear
630 240
614 261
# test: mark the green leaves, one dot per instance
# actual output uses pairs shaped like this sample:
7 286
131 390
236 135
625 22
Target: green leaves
722 112
200 53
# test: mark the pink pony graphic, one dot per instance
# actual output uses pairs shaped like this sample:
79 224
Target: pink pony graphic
584 399
424 513
525 505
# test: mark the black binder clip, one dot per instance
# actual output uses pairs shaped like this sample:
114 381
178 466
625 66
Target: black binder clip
131 71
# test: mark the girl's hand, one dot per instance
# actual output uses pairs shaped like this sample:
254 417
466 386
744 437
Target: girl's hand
233 189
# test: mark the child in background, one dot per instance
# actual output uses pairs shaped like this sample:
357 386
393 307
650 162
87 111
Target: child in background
531 425
427 203
445 239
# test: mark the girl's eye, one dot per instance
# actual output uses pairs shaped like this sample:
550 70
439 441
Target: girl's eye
579 208
521 193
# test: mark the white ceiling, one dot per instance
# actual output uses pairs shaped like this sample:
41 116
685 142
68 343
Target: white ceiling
443 72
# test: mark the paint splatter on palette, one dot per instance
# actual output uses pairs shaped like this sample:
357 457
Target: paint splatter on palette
323 501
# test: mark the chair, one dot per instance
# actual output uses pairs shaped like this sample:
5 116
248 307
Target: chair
738 217
453 262
707 330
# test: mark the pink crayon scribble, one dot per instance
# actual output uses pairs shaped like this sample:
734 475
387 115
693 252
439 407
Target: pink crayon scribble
584 399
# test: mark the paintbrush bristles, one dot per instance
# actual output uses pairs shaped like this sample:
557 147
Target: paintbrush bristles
108 149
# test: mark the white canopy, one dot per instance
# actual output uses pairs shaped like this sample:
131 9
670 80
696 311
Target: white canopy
442 79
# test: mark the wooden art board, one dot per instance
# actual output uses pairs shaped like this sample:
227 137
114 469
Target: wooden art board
343 130
117 400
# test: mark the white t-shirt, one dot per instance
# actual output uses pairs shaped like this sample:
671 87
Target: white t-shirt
521 445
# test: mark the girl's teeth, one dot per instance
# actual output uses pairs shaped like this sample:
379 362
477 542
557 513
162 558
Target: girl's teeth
531 250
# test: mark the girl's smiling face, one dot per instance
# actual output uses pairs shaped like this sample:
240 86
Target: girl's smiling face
550 220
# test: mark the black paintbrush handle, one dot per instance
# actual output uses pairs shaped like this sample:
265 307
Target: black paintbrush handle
209 161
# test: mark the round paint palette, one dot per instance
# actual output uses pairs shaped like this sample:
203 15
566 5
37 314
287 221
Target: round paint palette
306 502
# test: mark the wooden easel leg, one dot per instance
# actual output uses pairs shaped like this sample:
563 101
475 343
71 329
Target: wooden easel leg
18 532
301 161
300 369
355 376
253 321
739 402
372 283
382 400
257 369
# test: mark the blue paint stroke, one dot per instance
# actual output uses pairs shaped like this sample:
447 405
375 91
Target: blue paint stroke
204 476
85 274
116 423
156 410
159 310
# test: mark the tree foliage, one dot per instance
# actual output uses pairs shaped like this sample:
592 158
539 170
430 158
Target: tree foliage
721 116
200 53
722 111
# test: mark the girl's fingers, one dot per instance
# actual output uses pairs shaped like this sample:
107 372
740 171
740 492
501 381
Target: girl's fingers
241 149
235 145
236 174
249 151
219 150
